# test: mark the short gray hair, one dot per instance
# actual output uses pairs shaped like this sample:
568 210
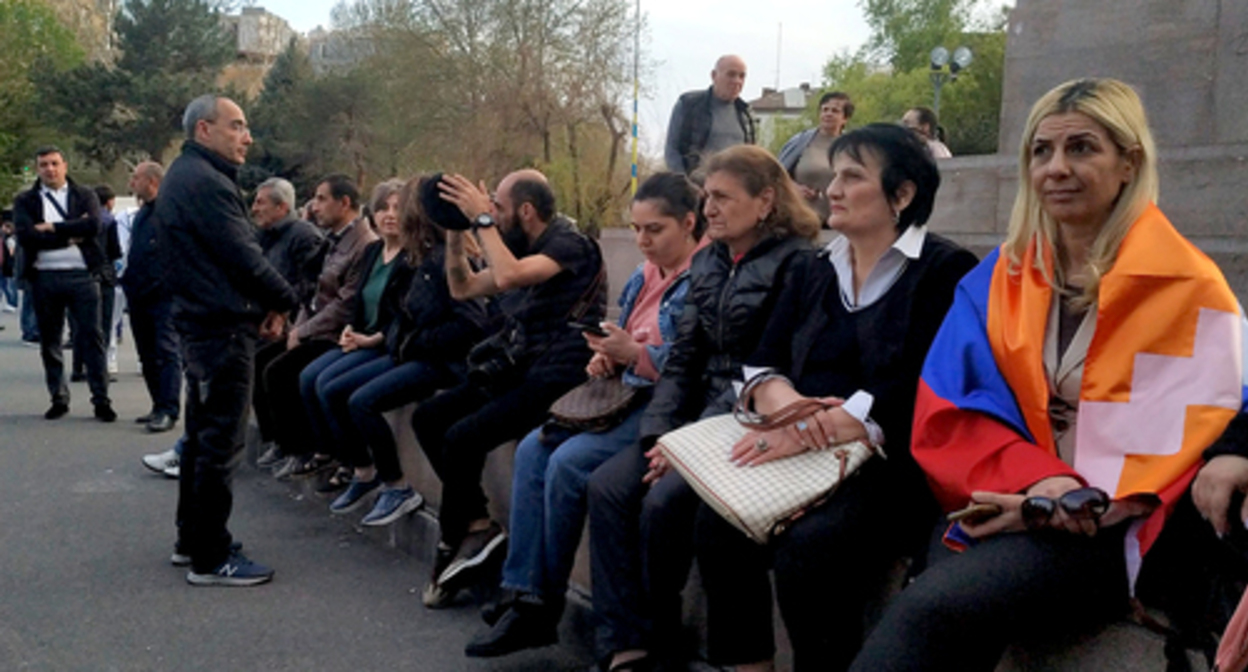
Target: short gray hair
280 191
203 108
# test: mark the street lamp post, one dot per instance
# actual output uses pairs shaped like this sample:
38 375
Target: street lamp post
962 57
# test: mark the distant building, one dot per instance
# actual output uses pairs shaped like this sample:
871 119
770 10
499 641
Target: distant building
259 36
337 50
773 105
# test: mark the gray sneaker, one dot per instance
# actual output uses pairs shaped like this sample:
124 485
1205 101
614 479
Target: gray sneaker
392 504
270 457
286 466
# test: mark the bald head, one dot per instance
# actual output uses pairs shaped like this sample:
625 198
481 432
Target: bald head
145 181
728 77
525 196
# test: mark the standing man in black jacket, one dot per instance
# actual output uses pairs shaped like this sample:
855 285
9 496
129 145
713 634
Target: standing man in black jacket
58 224
225 295
151 305
708 120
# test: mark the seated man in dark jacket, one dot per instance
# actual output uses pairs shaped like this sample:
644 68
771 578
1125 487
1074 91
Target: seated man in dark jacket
279 407
225 295
58 226
295 247
554 274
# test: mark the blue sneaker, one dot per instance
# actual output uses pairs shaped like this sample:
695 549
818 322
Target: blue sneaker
237 570
392 504
353 496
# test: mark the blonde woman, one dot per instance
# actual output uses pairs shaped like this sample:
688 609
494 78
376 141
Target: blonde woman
1079 387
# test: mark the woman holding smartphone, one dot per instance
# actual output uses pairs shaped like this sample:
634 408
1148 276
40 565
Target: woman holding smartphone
854 323
552 463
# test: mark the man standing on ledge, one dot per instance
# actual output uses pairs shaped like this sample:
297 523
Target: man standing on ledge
58 225
225 295
707 121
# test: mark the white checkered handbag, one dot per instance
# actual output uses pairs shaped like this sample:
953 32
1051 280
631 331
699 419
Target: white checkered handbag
760 500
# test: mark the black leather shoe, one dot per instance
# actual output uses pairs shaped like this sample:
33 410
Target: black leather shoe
57 410
144 419
524 626
160 423
105 413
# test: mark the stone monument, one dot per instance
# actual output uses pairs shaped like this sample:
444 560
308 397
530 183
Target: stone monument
1188 59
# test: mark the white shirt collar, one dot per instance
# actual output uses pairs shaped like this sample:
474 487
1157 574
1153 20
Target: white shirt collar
907 247
56 192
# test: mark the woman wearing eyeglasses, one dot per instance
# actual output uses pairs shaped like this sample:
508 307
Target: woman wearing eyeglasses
1082 381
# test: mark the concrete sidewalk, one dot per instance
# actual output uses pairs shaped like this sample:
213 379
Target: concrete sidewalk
85 537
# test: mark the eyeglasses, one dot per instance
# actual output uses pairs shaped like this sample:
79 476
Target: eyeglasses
1084 504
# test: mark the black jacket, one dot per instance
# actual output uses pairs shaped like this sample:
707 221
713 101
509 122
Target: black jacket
725 312
144 278
430 326
695 126
296 249
826 350
391 295
83 224
219 278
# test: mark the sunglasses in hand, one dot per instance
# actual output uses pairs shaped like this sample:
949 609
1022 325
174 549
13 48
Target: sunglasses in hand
1081 504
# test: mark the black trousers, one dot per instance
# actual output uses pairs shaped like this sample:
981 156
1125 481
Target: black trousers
108 301
967 608
641 551
265 354
78 293
287 419
151 322
827 565
457 430
219 375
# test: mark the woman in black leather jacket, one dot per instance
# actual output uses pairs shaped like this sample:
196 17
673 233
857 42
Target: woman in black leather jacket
641 517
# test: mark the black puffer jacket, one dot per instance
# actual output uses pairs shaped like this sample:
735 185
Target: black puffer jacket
219 278
430 326
296 249
725 312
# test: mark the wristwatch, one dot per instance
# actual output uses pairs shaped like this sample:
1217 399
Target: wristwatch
483 221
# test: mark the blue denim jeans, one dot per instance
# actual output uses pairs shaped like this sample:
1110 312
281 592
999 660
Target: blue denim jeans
30 324
377 387
548 502
316 377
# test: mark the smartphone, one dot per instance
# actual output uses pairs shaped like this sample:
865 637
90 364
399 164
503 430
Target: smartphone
976 513
589 327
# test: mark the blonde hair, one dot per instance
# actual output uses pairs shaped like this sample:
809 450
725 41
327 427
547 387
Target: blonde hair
1115 106
758 171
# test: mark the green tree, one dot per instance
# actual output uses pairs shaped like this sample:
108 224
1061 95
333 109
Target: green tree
33 38
171 51
891 73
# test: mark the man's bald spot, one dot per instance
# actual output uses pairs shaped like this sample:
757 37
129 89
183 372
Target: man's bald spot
527 174
151 170
728 62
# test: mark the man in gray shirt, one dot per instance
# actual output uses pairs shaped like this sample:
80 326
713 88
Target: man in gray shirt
706 121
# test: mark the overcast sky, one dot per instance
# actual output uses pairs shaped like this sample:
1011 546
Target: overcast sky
687 36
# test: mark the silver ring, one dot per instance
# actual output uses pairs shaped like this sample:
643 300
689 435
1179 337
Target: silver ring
761 445
802 426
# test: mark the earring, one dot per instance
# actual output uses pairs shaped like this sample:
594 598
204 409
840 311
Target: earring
896 217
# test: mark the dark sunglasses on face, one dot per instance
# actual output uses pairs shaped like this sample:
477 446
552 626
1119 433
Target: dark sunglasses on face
1081 504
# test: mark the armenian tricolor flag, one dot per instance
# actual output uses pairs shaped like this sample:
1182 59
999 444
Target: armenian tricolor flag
1163 377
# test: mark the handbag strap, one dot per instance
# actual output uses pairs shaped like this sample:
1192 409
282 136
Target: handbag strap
781 417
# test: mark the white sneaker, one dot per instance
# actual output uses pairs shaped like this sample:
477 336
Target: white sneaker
161 462
173 472
8 309
112 366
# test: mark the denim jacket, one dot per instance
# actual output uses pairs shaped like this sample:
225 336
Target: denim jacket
670 307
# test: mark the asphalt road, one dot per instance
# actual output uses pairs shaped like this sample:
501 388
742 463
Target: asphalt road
85 582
